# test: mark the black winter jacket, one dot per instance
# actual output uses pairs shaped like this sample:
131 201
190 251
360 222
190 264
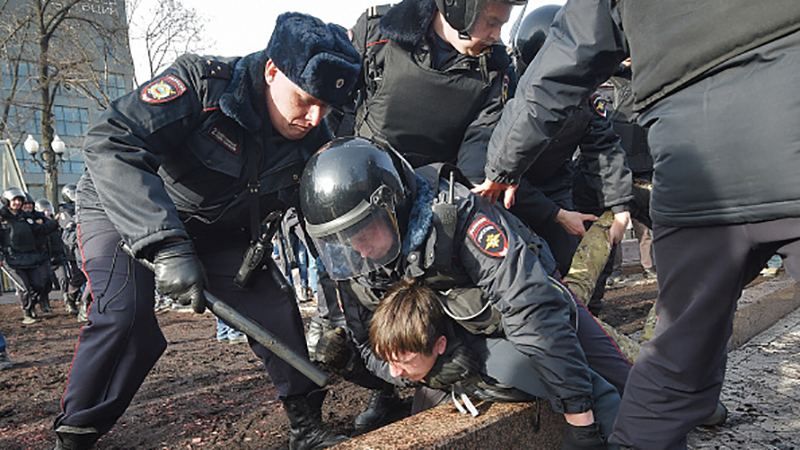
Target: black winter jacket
723 181
161 162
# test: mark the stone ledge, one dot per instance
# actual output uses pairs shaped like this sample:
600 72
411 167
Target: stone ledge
762 306
511 425
499 426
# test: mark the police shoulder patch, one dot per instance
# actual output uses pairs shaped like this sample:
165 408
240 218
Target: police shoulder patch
488 237
163 89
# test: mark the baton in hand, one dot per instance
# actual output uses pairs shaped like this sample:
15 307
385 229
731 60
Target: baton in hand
255 331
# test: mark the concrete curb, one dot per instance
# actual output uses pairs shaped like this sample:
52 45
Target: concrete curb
511 425
499 426
762 306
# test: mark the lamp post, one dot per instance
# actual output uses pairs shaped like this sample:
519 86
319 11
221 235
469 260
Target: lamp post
50 158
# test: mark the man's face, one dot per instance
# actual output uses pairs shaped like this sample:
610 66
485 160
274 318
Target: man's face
374 240
27 207
485 32
292 111
415 366
15 204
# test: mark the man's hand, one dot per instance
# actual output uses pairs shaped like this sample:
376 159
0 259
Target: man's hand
492 190
617 230
179 274
572 221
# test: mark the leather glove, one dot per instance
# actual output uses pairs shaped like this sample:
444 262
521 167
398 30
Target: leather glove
583 438
179 274
334 350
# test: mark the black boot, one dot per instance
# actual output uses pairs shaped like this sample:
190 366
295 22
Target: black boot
384 407
75 438
718 417
306 431
44 303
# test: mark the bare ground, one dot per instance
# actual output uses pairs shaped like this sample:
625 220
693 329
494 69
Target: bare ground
200 394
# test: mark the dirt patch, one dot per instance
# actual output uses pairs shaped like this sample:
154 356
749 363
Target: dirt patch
200 394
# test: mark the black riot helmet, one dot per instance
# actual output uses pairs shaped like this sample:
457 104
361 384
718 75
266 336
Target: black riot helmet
69 193
28 199
12 193
462 14
355 196
531 35
44 206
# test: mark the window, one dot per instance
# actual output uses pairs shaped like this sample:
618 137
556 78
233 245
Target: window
26 73
71 121
115 86
23 119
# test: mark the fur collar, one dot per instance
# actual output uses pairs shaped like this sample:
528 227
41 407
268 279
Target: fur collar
420 218
246 86
407 23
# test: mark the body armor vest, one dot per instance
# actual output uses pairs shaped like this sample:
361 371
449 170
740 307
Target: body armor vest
400 108
674 42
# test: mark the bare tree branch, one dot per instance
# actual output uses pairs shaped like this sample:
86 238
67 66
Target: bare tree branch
168 35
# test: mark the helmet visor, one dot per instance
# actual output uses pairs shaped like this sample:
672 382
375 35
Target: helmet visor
367 242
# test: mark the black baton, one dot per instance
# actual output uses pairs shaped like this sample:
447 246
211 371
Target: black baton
257 332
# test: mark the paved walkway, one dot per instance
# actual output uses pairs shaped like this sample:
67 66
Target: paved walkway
762 393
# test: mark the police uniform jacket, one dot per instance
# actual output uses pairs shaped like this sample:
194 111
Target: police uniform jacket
495 254
601 163
171 158
23 239
588 48
422 97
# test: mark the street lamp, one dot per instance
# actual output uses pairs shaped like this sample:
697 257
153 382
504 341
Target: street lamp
58 147
32 147
48 161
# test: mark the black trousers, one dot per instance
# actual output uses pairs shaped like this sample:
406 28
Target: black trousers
123 341
676 381
30 282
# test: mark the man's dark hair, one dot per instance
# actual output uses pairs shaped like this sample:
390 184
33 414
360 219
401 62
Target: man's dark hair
409 319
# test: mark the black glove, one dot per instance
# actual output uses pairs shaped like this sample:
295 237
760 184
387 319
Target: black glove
334 350
583 438
179 274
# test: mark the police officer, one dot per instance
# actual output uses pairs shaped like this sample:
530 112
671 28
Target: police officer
375 220
24 261
708 103
71 280
435 78
548 202
434 82
182 171
54 248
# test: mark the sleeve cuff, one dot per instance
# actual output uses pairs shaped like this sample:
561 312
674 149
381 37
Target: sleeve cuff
620 208
572 405
500 176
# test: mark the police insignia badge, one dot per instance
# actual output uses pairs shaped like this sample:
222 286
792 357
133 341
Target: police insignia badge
163 89
488 237
600 106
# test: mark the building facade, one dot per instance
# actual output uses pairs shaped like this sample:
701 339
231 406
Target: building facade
92 65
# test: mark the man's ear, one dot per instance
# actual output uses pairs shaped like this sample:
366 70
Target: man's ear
440 346
270 70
